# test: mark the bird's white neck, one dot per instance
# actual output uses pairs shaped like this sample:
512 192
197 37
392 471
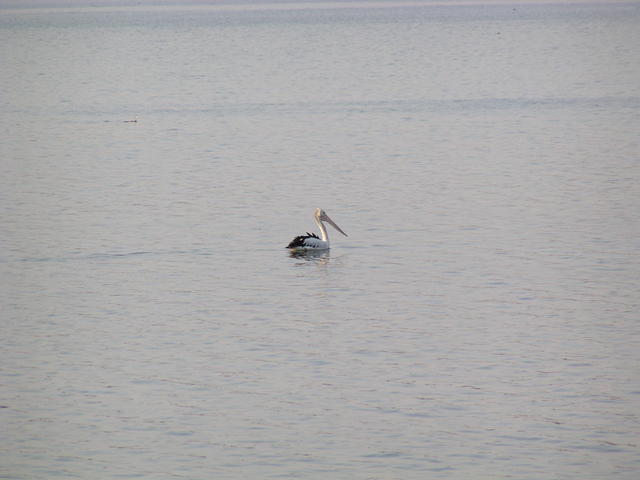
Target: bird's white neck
323 230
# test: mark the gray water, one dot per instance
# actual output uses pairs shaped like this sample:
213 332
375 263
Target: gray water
480 321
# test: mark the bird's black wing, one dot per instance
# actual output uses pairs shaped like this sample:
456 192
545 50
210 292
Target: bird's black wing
299 240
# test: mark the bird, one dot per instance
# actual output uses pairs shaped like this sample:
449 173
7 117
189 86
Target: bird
311 241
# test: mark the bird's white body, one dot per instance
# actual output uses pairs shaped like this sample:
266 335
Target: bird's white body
311 241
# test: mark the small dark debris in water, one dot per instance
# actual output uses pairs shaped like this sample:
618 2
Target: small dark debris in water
131 121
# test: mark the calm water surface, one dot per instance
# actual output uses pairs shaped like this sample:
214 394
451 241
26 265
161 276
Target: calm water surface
480 321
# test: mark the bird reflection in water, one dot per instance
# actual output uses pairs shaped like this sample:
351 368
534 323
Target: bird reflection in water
320 257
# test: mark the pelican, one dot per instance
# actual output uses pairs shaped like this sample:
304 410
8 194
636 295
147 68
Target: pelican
311 241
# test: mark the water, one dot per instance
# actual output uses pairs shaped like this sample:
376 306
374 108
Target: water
480 321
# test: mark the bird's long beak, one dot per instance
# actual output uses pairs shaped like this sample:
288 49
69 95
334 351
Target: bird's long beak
326 218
